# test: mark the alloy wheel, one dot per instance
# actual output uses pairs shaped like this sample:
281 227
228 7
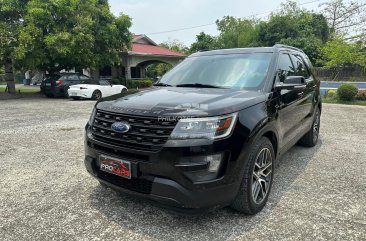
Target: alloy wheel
262 175
97 95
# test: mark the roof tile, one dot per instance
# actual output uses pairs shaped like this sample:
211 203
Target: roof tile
151 49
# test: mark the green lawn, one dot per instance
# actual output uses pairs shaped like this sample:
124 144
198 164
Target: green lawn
23 90
337 101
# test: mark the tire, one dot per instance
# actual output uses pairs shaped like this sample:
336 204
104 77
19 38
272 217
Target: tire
66 93
310 139
258 175
96 95
124 91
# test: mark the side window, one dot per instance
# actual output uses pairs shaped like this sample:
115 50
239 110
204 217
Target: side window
73 77
83 77
300 67
103 82
285 67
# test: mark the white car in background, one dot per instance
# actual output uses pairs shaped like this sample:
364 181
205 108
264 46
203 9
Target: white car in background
95 89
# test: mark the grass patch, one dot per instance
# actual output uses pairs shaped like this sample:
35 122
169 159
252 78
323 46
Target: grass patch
343 102
23 90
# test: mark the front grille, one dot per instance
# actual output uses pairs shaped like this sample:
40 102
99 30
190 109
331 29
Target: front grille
120 154
146 133
133 184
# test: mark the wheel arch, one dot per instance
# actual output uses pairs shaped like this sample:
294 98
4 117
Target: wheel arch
271 135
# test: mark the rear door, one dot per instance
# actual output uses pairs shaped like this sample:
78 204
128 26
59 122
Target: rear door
289 101
307 94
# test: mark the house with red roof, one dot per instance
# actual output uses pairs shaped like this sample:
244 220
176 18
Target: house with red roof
144 52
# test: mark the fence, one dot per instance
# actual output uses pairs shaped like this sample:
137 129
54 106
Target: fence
355 74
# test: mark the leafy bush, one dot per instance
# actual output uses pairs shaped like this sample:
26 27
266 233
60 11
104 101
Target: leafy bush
361 95
134 84
347 92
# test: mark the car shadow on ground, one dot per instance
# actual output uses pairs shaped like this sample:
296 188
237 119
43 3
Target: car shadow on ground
152 222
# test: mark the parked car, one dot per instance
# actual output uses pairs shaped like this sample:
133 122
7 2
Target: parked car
38 78
209 133
56 85
95 89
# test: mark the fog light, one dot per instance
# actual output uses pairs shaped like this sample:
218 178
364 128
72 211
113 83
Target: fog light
202 168
215 162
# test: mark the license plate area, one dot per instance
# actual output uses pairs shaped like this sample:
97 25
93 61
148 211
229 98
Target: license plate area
115 166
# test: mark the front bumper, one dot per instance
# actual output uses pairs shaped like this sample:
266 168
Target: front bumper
54 91
158 179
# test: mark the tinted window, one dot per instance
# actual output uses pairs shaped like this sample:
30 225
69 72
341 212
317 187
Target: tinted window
83 77
73 77
52 77
247 70
89 82
285 67
300 68
103 82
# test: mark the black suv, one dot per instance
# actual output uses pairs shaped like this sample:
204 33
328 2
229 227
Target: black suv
208 133
56 85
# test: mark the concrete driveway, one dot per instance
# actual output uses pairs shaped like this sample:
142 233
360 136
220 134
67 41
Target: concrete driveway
45 192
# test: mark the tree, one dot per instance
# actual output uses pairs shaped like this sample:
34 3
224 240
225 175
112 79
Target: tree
339 53
237 32
11 18
70 34
159 69
175 45
347 18
203 42
296 27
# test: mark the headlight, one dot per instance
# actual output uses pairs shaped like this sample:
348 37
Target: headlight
204 128
94 112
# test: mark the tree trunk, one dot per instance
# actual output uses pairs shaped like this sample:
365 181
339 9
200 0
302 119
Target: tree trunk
9 75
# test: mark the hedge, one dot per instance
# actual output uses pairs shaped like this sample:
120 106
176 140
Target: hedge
134 84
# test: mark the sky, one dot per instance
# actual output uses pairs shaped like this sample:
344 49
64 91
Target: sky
153 16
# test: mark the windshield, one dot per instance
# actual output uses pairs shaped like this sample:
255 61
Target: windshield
226 71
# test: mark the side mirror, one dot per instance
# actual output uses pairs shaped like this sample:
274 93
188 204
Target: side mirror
291 83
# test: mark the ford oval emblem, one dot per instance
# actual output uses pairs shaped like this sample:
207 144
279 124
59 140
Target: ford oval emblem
120 127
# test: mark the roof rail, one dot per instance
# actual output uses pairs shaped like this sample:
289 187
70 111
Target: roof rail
204 50
287 47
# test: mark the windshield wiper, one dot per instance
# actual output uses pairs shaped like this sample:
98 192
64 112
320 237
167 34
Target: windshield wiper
162 84
198 85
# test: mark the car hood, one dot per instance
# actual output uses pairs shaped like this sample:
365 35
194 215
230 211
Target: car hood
179 101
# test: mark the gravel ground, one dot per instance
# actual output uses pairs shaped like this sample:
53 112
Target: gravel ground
46 194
